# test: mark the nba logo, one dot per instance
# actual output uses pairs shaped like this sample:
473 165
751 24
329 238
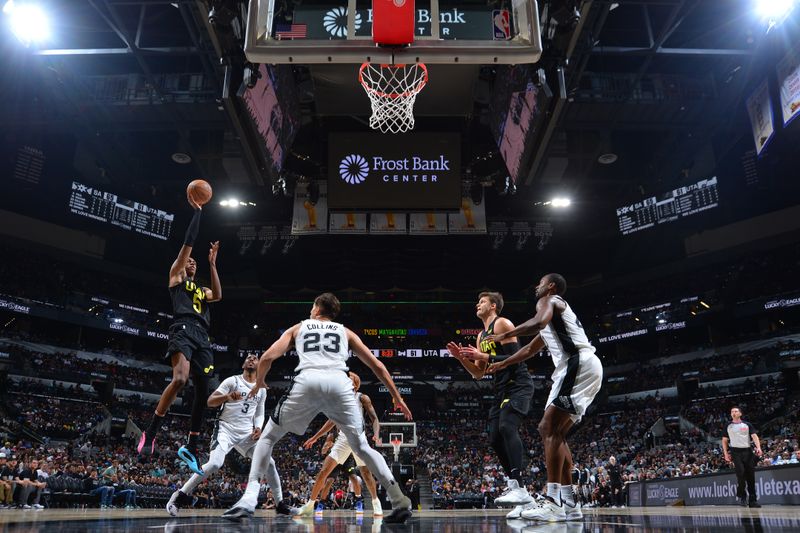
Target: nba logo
501 20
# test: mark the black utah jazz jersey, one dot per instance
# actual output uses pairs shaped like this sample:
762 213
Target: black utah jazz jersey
497 352
189 300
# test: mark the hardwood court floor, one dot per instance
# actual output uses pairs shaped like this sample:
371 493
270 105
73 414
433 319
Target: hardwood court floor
648 519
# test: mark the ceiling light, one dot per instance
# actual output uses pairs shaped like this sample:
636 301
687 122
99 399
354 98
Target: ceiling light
27 21
774 10
560 202
255 326
224 203
705 304
607 158
181 158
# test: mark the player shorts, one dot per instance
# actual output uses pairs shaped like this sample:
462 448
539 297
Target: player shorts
191 339
516 396
315 391
223 441
576 381
341 451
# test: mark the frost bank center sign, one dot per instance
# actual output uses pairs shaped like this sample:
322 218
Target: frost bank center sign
399 173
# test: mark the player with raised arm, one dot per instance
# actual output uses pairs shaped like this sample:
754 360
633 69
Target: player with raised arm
238 426
340 452
189 349
322 386
577 379
513 390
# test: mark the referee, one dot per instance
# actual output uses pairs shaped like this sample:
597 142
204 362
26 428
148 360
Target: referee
736 444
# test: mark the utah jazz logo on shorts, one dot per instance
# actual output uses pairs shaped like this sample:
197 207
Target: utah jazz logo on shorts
208 369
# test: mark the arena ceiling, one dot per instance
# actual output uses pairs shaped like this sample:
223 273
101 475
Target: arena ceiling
660 84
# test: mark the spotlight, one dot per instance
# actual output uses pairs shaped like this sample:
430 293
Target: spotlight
560 202
27 22
774 10
255 326
233 203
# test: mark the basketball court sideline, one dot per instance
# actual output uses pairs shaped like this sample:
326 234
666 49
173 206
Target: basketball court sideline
656 520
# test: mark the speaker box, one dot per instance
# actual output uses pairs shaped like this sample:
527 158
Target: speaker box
687 389
105 390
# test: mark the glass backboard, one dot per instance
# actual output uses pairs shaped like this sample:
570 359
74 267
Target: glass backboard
340 31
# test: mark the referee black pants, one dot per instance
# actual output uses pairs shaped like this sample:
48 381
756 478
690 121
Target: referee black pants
745 462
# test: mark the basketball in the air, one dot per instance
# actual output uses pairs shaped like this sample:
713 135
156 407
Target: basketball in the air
199 191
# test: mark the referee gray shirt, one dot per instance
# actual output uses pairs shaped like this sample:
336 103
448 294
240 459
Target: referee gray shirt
739 434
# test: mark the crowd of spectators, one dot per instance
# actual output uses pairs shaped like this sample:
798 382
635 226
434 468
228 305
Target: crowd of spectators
453 452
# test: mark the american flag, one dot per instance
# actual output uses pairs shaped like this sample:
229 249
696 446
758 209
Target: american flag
291 31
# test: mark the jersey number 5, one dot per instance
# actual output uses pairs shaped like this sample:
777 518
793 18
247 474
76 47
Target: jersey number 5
312 342
197 301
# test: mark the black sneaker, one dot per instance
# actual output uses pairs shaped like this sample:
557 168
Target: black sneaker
284 508
742 502
398 516
401 511
236 514
754 504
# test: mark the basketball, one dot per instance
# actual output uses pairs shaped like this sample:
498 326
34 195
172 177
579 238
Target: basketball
199 191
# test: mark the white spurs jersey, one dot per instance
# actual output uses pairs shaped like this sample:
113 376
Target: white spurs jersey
242 415
321 345
564 335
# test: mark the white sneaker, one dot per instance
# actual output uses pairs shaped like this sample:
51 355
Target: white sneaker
26 506
573 512
307 509
172 508
516 513
547 512
513 495
38 506
377 510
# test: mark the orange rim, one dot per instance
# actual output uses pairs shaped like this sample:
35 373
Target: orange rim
420 85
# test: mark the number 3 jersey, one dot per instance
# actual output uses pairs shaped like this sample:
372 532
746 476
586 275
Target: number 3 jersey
241 416
321 345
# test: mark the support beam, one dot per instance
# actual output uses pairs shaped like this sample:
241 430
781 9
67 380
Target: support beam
140 25
156 51
114 21
639 51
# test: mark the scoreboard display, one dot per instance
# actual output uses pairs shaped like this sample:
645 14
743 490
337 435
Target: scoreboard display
668 207
93 203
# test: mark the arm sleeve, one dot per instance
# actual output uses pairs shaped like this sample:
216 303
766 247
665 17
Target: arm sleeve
193 229
752 428
258 419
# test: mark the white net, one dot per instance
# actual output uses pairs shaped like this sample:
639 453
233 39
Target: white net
392 90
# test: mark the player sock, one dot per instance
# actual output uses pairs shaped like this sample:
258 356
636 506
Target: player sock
567 496
155 425
554 492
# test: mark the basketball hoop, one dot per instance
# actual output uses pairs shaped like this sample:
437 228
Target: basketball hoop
396 447
392 90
